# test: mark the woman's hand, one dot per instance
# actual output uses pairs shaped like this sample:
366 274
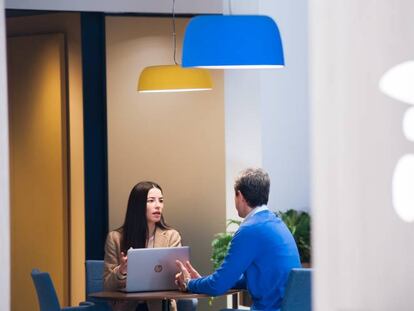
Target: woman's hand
123 259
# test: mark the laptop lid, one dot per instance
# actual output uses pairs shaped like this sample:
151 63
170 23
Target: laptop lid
154 269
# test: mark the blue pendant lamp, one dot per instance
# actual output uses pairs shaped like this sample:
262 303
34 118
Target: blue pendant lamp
232 41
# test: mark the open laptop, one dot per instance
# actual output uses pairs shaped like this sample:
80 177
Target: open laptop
154 269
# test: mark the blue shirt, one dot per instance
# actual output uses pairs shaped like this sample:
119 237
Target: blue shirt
261 255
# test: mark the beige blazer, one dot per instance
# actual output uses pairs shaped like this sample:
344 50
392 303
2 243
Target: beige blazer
113 280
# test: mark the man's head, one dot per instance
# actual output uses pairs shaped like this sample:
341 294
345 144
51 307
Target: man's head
251 190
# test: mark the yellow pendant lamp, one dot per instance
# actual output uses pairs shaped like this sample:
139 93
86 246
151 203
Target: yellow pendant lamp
173 78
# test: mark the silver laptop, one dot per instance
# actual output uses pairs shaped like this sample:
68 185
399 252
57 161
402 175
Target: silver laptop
154 269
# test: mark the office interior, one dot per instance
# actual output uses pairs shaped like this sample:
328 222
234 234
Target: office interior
322 128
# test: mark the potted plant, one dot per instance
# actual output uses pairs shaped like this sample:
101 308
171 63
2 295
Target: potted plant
221 244
299 224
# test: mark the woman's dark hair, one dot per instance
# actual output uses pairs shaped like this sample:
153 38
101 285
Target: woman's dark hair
135 228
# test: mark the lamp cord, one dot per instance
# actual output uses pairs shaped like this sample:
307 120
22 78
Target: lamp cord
230 8
174 33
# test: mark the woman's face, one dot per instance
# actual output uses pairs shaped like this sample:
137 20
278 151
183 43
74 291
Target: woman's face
155 204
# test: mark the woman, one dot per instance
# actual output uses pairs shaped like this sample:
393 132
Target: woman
144 227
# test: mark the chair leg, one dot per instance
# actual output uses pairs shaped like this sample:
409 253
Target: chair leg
165 305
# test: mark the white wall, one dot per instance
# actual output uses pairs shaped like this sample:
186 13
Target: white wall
4 175
284 100
242 117
123 6
267 111
363 257
242 128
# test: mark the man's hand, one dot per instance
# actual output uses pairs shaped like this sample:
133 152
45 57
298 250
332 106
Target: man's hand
187 273
182 278
193 272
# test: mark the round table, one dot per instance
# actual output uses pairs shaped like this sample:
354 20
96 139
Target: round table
165 296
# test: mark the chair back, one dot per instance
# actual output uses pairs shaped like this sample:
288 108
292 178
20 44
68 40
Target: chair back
94 283
298 291
46 294
94 276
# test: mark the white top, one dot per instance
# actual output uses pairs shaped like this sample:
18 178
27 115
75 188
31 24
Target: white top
255 211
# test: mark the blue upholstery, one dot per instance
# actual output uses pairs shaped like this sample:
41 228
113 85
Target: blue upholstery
94 283
187 304
298 294
46 294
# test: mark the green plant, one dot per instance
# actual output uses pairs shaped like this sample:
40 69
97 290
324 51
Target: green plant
221 244
298 222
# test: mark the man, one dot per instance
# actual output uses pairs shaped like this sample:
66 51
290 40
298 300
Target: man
261 254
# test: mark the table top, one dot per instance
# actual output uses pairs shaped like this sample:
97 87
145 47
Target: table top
173 294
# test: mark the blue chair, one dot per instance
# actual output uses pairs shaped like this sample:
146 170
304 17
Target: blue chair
94 283
298 293
46 294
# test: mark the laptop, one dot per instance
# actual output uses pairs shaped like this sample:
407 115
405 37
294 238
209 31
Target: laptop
154 269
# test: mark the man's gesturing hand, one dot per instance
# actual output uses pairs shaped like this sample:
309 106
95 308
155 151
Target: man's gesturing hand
182 278
193 272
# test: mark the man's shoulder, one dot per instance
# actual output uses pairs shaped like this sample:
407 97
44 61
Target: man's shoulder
257 221
261 223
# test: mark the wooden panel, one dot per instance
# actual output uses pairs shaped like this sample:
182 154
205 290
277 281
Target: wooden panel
4 176
38 147
69 24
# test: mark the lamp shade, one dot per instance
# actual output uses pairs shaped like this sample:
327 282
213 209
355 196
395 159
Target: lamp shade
397 82
232 41
173 78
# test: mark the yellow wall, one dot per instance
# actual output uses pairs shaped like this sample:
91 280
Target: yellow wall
68 23
176 139
38 146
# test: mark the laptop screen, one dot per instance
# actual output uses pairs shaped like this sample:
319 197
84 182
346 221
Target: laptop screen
154 269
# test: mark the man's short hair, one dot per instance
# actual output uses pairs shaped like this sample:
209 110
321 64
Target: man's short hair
254 184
